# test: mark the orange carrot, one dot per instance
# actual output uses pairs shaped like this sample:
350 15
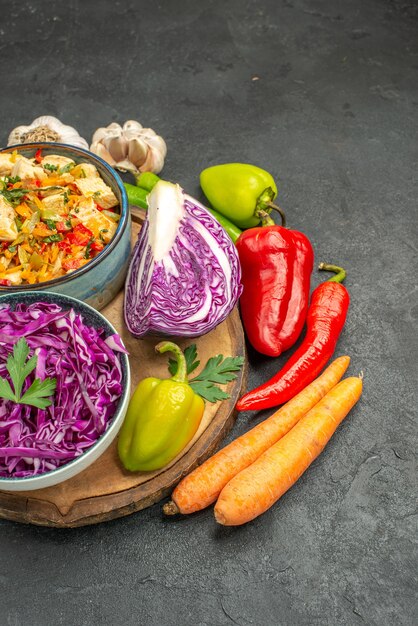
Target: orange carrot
201 488
254 490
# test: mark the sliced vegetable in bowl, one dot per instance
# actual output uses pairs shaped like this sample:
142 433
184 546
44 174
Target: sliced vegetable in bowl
64 387
55 215
98 279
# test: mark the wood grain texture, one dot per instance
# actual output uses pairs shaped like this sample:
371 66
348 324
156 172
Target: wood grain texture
104 490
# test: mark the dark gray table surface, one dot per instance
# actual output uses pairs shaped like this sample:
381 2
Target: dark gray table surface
333 115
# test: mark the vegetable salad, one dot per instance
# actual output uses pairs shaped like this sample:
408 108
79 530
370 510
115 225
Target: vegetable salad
55 216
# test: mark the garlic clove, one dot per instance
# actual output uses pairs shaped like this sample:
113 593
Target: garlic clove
153 163
132 133
127 166
99 149
117 147
148 132
137 151
132 126
158 144
130 147
113 130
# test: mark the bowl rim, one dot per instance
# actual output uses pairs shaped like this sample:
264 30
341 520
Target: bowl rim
124 216
109 432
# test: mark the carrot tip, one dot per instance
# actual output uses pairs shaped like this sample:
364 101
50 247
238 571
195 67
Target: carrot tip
220 518
170 508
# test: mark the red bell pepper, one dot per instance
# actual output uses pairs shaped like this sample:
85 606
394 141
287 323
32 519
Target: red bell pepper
80 235
326 317
64 245
276 265
72 264
96 246
38 156
62 227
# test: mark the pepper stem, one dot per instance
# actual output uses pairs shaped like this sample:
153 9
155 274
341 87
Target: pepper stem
265 218
339 271
168 346
265 203
147 180
273 206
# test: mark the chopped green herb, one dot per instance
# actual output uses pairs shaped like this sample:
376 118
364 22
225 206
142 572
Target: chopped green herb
52 238
66 168
39 392
12 249
88 248
18 224
96 195
217 371
51 224
50 167
11 180
82 173
101 231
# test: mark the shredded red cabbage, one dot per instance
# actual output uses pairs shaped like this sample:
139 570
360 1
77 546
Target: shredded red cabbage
88 372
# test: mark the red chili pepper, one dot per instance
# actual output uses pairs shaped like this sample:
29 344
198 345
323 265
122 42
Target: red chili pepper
5 283
38 156
98 207
43 246
325 321
276 268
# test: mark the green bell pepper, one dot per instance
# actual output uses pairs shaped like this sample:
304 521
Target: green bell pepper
162 418
147 181
239 191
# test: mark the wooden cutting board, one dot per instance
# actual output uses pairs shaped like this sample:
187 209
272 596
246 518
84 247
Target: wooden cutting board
104 490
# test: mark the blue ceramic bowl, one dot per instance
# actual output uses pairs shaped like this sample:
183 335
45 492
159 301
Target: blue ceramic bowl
91 317
97 282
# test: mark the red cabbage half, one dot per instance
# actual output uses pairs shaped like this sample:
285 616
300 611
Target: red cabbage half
88 372
184 277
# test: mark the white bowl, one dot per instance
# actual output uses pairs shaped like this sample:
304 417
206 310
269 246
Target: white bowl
77 465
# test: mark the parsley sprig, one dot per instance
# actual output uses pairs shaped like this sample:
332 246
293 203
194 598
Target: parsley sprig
217 371
19 368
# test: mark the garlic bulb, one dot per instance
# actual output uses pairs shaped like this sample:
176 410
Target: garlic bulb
47 128
130 148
